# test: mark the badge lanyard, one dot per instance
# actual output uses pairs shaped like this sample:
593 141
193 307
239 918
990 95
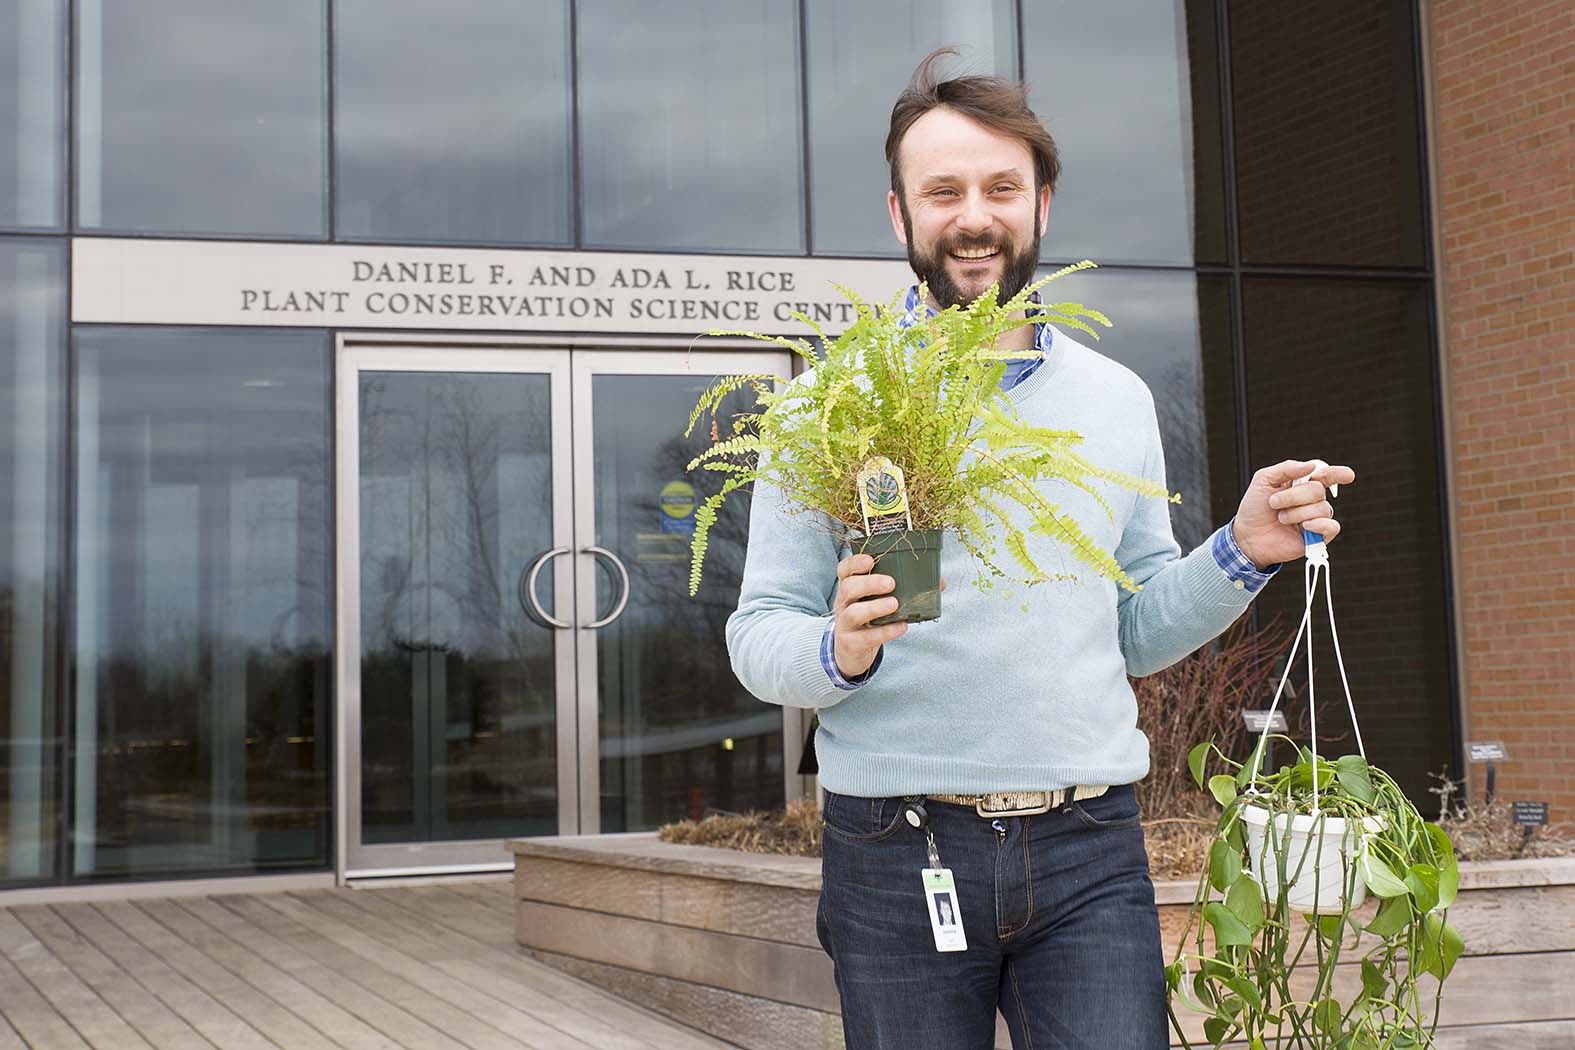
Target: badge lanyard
940 889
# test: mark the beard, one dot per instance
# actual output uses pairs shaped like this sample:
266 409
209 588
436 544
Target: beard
930 267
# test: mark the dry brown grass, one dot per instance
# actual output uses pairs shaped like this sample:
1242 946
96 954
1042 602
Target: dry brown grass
795 832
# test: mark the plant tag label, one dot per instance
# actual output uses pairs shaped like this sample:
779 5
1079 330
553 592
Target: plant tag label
1257 721
1486 751
1531 813
883 496
940 896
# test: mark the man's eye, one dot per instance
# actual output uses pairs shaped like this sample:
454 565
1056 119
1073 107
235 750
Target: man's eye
1005 188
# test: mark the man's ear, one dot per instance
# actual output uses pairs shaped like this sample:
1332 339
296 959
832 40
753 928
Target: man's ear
1044 209
894 206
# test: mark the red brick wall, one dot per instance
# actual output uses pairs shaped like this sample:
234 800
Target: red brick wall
1503 75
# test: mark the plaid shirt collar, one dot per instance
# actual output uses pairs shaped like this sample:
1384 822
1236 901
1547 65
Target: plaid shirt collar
1017 370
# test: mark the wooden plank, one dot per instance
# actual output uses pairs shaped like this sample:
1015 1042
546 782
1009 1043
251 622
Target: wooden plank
379 970
1481 990
649 854
271 1020
157 1023
202 1011
796 974
32 1016
597 887
1528 919
9 1040
726 905
341 1027
480 922
1539 1035
510 1012
747 1021
288 949
503 972
73 1000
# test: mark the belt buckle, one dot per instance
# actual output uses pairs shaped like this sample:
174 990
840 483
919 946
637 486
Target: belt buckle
1047 800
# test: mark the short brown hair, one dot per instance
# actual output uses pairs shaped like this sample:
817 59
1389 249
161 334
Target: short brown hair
995 102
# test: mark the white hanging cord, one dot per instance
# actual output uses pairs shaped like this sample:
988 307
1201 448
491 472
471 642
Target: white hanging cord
1317 560
1310 583
1350 705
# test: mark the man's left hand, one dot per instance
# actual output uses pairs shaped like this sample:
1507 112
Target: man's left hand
1276 508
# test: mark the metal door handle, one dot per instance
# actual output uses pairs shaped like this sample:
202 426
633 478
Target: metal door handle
623 574
528 589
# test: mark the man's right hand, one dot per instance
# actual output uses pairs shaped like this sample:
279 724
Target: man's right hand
856 642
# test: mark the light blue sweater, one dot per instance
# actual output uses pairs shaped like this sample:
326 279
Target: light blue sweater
993 696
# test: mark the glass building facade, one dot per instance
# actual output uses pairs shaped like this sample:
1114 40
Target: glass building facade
197 518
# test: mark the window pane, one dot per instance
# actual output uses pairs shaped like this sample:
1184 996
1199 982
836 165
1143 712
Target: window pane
860 59
202 116
1173 330
1326 132
32 112
680 735
1388 565
690 125
203 600
32 319
1129 89
475 149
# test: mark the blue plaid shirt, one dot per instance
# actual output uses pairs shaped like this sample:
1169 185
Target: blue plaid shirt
1227 554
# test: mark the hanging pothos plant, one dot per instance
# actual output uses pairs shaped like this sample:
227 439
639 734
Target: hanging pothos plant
928 398
1294 855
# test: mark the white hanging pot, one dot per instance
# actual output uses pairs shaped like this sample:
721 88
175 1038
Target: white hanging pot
1331 846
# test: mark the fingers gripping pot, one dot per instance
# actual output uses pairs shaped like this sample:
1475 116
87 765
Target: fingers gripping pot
913 559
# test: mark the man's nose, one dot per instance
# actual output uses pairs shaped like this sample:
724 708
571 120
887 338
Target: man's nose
974 215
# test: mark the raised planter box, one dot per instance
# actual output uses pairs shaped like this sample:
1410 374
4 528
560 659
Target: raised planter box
725 941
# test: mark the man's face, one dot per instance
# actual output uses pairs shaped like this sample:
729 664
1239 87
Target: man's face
969 216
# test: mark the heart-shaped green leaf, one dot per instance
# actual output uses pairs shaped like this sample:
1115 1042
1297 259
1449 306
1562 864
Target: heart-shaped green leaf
1224 865
1326 1015
1245 901
1247 991
1393 915
1352 773
1374 983
1448 867
1441 946
1195 759
1379 877
1422 881
1216 1028
1223 788
1228 930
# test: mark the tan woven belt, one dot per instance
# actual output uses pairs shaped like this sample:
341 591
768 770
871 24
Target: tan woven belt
1022 803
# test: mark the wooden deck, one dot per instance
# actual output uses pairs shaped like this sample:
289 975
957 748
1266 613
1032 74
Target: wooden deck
430 967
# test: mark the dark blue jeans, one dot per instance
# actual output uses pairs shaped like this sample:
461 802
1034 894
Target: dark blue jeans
1063 935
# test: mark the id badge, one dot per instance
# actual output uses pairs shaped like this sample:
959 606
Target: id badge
940 896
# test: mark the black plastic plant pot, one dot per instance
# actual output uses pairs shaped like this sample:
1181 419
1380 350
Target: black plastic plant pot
913 559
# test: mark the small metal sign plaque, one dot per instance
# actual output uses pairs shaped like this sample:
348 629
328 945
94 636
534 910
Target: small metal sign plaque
1486 751
1531 813
1256 720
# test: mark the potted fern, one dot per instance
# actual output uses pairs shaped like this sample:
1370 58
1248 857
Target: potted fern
901 434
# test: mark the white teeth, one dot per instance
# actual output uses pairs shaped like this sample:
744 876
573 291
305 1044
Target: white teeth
977 253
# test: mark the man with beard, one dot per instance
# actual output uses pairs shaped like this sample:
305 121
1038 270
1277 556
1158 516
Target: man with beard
994 753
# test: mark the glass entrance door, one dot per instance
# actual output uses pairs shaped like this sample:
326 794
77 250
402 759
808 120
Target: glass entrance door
676 734
520 652
459 676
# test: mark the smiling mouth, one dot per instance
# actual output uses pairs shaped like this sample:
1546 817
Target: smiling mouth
975 256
